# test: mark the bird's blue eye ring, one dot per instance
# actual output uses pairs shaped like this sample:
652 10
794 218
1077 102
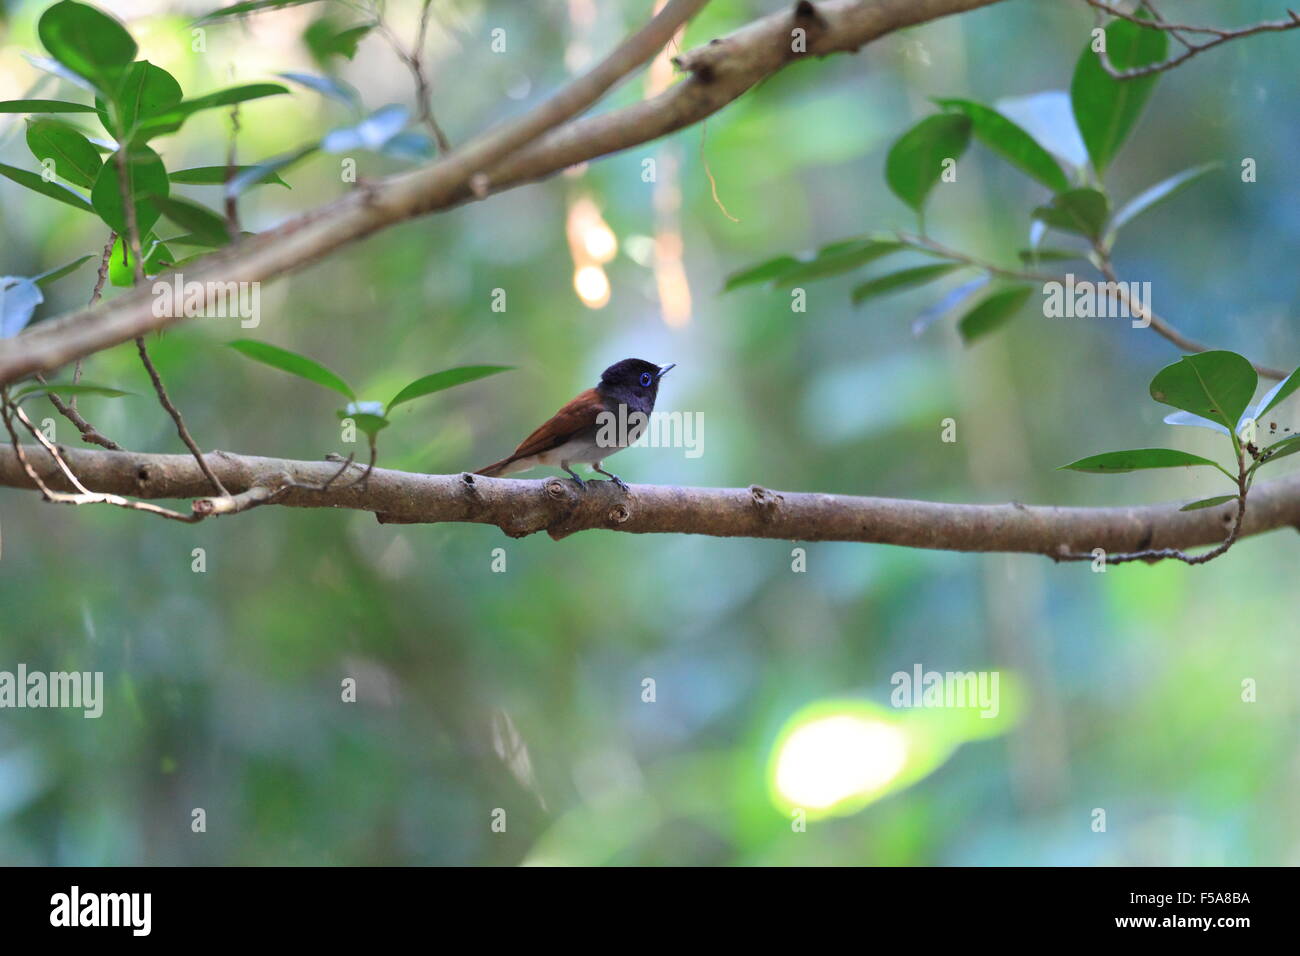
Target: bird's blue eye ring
646 379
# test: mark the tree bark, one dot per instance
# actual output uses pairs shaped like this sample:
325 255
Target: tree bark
556 506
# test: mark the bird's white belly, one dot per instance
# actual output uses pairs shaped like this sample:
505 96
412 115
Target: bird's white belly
576 450
586 449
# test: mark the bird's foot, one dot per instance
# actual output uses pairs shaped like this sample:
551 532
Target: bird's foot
612 477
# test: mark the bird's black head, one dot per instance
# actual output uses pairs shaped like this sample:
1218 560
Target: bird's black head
633 381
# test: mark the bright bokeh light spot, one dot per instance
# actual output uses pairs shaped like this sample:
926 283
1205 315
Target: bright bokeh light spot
590 238
600 242
670 279
833 758
592 244
592 286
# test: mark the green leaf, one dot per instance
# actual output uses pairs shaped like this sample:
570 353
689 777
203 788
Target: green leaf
1116 462
147 91
55 68
121 264
951 299
75 159
441 380
1011 142
1049 255
1105 108
67 388
1158 193
326 39
19 297
265 170
765 271
1046 116
45 278
915 161
1081 211
372 423
191 239
328 86
840 257
993 312
346 41
188 259
373 132
1278 393
36 183
253 6
1280 449
171 120
904 279
43 106
233 95
87 41
293 363
216 176
207 227
1215 385
1207 502
411 145
147 177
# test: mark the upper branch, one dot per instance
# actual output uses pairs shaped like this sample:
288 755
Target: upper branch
533 147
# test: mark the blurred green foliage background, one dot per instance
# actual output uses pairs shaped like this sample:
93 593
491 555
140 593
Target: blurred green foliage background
523 690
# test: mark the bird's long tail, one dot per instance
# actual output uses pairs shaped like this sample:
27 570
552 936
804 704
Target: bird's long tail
496 469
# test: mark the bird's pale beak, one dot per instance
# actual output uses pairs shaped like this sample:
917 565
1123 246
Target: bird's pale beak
663 370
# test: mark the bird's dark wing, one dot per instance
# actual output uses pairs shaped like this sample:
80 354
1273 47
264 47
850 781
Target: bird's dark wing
577 416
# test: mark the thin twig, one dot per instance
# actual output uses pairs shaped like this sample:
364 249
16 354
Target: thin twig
1103 264
95 294
414 60
84 495
713 183
68 410
1176 554
133 235
1219 35
1159 325
926 244
289 482
50 447
254 497
232 200
334 477
174 412
364 480
124 189
89 433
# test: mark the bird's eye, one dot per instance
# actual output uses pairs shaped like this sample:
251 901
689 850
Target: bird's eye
646 379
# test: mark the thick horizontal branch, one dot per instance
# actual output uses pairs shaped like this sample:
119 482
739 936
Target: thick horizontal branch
559 508
517 152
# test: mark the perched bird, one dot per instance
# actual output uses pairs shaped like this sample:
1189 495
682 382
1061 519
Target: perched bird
597 423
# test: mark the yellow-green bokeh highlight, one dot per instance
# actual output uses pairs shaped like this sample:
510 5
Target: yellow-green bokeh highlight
837 756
